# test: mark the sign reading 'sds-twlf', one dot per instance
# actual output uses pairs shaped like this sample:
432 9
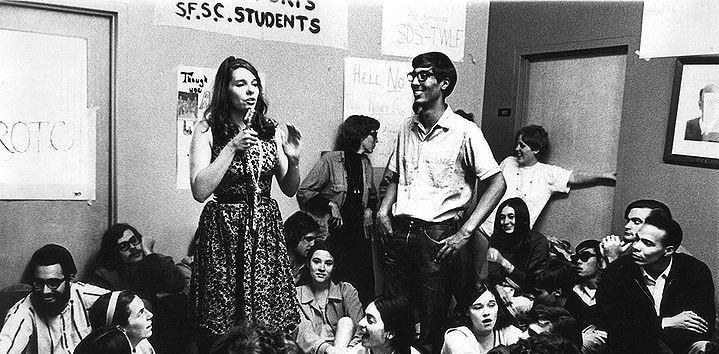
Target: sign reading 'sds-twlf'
411 27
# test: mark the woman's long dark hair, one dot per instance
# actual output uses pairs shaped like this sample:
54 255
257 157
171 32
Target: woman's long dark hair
500 239
218 114
470 294
397 318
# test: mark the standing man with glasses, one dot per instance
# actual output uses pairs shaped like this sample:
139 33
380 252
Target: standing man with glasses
53 318
432 170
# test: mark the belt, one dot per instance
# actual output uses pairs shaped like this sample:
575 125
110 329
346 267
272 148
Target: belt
402 222
240 199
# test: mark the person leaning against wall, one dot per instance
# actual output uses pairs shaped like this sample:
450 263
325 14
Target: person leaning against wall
340 192
534 181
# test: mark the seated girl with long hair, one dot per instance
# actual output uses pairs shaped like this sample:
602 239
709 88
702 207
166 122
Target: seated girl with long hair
486 323
330 310
387 328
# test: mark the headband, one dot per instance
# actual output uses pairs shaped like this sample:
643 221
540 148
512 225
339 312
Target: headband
111 307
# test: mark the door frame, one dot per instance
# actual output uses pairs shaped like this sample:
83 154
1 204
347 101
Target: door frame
523 56
113 13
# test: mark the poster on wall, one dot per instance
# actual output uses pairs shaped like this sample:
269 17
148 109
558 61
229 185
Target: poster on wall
194 92
47 133
379 89
411 27
314 22
677 28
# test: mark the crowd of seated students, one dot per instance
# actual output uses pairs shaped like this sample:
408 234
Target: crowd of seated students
600 298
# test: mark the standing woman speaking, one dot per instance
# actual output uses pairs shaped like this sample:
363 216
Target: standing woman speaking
242 270
340 189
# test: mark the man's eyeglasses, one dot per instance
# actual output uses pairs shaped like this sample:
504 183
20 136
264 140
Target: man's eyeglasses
52 283
420 75
583 256
373 134
125 245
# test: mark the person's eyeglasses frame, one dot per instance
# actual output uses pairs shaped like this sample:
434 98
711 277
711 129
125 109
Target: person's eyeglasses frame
421 76
584 256
124 246
52 283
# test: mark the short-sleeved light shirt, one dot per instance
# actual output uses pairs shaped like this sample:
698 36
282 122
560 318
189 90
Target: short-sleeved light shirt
534 184
437 167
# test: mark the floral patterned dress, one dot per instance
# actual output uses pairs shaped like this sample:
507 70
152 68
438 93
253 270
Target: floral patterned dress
242 270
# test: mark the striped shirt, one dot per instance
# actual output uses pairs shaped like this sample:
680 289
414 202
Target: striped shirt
25 329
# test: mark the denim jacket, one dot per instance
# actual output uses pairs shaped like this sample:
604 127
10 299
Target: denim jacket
328 178
317 326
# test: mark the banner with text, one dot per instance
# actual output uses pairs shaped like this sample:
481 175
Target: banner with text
379 89
47 133
315 22
411 27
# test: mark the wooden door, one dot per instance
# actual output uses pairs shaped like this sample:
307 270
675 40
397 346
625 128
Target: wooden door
577 97
26 225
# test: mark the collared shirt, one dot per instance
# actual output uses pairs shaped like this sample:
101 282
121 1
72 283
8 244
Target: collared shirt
317 325
656 286
586 294
437 167
59 334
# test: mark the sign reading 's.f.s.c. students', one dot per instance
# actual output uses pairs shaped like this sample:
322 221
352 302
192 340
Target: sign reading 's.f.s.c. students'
314 22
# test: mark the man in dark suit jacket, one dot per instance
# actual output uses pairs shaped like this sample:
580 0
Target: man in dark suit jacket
693 130
657 300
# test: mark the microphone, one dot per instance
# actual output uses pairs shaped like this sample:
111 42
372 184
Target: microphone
248 117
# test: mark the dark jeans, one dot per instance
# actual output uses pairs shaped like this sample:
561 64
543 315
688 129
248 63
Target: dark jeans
411 272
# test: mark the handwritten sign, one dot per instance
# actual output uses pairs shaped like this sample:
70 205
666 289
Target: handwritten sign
411 27
194 92
315 22
47 134
379 89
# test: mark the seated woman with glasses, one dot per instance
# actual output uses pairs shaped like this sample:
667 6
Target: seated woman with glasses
340 193
127 262
125 311
485 323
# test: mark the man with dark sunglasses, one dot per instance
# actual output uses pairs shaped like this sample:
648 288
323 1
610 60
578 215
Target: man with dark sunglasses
53 318
581 302
128 262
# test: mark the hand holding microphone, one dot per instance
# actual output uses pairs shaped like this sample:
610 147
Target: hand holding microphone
247 138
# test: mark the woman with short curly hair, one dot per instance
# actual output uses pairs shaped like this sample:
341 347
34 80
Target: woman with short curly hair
339 191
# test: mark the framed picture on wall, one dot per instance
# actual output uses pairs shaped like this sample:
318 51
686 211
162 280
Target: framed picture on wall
693 127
